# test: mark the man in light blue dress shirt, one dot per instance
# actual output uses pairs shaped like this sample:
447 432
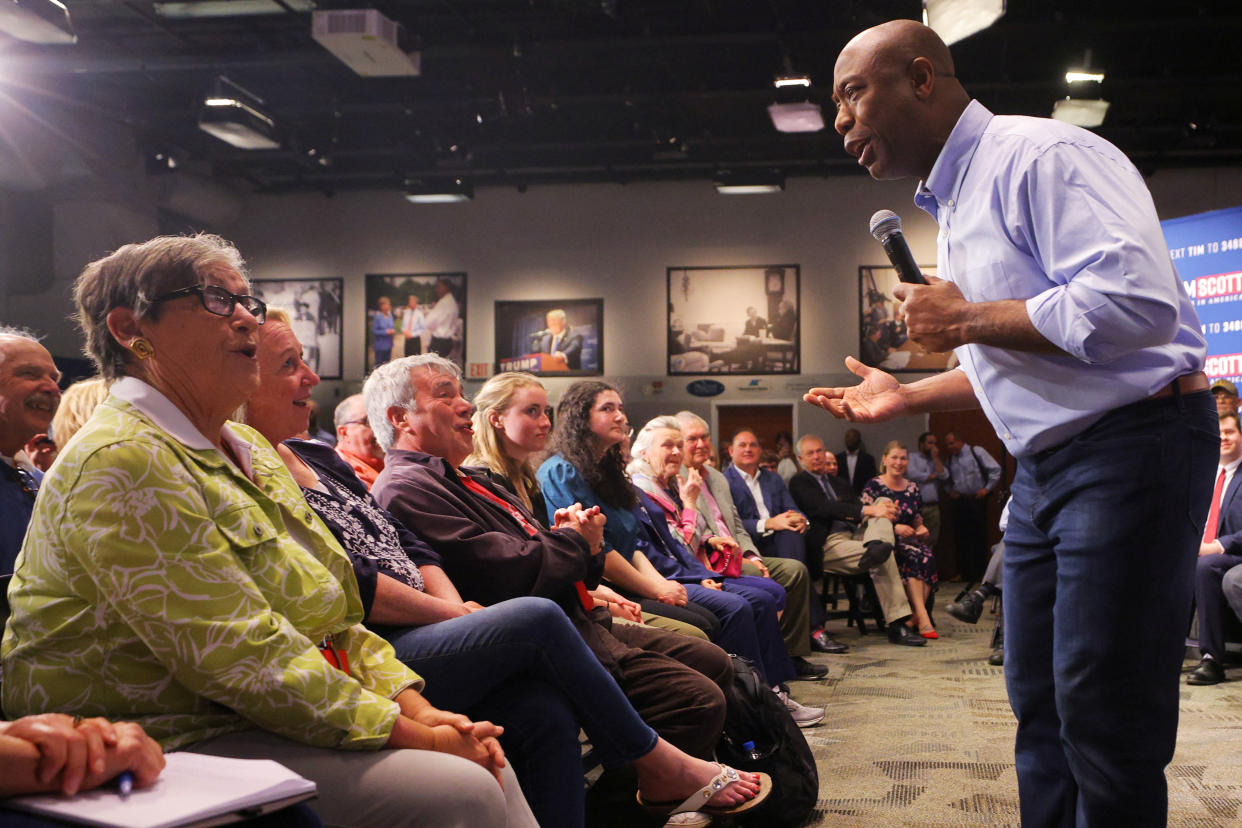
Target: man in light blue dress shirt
1075 337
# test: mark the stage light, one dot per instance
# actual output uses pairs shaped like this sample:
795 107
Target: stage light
749 183
1080 111
229 8
37 21
782 81
447 191
233 115
1081 75
796 117
956 20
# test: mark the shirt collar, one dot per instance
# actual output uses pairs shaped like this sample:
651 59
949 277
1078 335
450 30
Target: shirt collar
161 411
946 176
1230 468
752 478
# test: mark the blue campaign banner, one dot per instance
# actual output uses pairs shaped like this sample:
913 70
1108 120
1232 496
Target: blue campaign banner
1207 250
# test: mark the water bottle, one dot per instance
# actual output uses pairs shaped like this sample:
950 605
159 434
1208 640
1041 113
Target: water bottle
753 754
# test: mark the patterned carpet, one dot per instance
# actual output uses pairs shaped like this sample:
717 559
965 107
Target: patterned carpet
923 737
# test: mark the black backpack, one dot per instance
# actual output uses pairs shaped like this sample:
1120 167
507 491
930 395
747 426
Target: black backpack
755 714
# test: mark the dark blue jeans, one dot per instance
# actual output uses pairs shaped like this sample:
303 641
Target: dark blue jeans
747 609
522 665
1099 563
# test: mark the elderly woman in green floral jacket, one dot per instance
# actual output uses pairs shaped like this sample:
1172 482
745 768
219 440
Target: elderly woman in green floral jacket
173 574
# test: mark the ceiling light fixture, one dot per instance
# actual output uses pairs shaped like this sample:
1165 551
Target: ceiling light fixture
803 116
956 20
448 191
1081 112
233 115
1079 76
782 81
37 21
229 8
749 183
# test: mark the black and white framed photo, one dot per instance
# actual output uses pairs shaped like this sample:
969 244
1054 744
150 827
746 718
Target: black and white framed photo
315 305
415 313
551 337
734 320
883 340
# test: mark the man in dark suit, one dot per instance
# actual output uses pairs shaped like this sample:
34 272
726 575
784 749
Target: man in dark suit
562 339
854 464
851 539
768 512
1220 551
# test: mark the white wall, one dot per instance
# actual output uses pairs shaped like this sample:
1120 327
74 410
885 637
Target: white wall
586 240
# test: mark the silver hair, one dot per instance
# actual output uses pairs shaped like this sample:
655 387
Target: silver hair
134 275
559 314
643 441
389 386
694 418
14 332
345 410
803 438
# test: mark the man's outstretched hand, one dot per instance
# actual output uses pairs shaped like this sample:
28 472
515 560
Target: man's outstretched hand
876 399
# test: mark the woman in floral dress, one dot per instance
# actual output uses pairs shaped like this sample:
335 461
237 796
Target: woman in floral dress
915 560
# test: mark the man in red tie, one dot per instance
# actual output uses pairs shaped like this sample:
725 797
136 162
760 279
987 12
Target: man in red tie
1220 551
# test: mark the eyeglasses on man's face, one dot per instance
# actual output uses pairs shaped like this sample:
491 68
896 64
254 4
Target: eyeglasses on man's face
219 301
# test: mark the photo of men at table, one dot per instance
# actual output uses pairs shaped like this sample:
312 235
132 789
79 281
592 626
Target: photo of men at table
734 320
557 337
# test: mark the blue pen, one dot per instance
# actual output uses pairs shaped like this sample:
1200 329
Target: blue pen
125 782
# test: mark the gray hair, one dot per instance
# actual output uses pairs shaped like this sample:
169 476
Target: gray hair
344 412
389 386
135 274
694 418
804 438
14 332
643 441
557 314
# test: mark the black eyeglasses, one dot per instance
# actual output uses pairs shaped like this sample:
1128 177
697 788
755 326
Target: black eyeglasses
219 301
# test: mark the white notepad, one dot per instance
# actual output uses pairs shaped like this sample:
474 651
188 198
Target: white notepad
194 789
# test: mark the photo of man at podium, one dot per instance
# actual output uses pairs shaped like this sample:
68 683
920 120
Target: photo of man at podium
554 338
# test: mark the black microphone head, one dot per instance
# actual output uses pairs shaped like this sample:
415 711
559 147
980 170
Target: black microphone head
884 224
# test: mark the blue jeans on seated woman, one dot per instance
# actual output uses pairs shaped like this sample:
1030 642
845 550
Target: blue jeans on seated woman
747 608
522 665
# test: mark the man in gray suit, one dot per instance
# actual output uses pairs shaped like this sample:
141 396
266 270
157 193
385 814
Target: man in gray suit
718 516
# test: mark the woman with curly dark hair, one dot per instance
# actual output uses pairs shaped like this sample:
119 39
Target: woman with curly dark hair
587 466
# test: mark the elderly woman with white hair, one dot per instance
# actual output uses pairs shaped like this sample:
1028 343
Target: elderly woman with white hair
748 607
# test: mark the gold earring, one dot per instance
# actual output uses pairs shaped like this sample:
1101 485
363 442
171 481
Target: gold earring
142 348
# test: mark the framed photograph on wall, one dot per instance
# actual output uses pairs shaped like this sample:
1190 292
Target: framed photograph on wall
315 305
734 320
415 313
551 337
883 341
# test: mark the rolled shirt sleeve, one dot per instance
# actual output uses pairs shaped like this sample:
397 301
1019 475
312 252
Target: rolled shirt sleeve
1094 233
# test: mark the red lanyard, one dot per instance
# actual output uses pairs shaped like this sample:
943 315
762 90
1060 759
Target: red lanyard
584 597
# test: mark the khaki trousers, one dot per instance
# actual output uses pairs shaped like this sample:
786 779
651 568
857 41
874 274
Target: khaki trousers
842 551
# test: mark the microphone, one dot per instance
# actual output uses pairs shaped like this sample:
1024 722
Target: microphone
886 227
540 334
